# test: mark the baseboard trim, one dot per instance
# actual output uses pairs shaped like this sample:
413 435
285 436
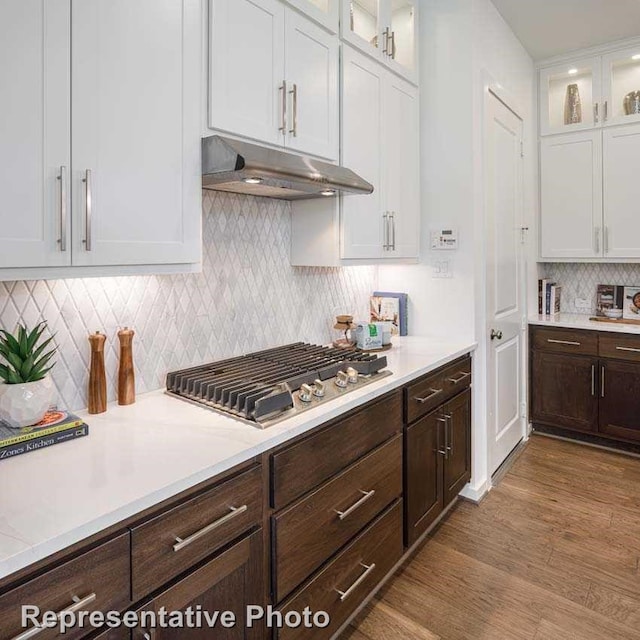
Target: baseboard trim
476 494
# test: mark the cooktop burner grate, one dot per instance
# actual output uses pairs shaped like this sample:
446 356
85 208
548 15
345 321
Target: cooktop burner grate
268 386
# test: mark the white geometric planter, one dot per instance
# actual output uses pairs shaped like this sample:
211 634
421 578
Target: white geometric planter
23 405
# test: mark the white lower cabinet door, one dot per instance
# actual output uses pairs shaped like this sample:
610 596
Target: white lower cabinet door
135 132
401 166
246 68
621 192
311 70
364 225
34 133
571 196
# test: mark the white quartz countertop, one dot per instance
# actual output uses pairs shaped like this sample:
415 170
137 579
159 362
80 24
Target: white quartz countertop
579 321
140 455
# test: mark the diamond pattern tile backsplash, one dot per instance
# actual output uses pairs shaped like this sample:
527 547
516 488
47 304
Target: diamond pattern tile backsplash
248 297
582 280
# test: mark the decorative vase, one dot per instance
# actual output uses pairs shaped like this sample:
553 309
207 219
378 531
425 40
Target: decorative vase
632 103
572 105
23 405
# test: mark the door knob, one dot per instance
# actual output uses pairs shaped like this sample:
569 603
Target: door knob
496 334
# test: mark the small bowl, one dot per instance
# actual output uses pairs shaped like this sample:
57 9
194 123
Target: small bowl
615 314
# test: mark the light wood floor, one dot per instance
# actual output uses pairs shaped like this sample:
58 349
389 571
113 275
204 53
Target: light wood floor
552 553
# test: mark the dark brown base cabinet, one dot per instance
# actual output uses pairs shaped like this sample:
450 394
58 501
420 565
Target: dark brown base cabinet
586 381
317 522
437 453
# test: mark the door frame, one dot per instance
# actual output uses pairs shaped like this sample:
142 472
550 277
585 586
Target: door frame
492 89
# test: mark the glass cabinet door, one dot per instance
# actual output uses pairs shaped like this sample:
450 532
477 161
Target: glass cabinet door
621 83
570 97
323 11
401 47
361 24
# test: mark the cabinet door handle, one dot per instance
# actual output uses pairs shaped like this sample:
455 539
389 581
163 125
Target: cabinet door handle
448 417
596 239
366 495
233 513
606 239
593 380
78 604
596 113
602 379
63 208
444 452
345 594
393 230
570 343
283 121
606 110
392 51
433 394
294 107
463 375
630 349
88 211
385 49
385 231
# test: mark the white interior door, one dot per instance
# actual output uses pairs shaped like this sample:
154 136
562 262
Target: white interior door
505 303
35 135
311 70
621 192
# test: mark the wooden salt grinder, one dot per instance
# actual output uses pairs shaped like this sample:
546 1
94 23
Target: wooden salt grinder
126 373
97 376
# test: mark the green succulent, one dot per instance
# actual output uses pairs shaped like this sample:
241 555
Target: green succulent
25 357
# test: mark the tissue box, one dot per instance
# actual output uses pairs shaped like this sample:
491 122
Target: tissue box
369 335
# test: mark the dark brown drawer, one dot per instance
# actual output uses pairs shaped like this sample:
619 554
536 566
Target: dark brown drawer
344 583
309 532
565 341
174 541
303 466
620 347
431 391
98 580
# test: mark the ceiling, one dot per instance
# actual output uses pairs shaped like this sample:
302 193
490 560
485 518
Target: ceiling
551 27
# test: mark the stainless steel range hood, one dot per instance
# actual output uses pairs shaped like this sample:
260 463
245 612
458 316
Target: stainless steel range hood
241 167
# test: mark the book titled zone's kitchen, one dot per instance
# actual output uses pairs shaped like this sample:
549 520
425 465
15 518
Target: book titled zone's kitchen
56 427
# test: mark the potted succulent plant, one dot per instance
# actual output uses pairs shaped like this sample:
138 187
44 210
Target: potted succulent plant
27 391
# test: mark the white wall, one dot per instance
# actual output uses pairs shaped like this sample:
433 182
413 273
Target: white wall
461 43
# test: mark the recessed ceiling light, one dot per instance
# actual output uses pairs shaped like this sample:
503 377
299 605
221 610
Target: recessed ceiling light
328 192
636 57
572 72
252 180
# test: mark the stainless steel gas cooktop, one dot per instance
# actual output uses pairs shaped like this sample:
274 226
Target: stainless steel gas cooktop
269 386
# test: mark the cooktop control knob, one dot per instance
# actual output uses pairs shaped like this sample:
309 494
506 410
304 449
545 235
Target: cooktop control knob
306 393
342 379
352 375
318 389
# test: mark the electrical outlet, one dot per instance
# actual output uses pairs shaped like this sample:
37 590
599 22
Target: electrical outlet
582 303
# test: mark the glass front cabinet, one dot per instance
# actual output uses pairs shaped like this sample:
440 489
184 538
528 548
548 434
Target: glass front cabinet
384 29
591 93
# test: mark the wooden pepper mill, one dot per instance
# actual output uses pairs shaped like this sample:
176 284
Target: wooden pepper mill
126 373
97 376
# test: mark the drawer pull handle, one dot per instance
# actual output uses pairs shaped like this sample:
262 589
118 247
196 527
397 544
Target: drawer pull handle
368 569
463 375
78 604
433 394
233 513
366 495
567 342
631 349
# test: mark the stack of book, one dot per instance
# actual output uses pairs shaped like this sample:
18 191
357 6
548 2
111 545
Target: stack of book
386 306
55 427
548 297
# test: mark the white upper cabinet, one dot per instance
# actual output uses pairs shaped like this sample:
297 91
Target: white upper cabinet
384 29
311 69
35 133
621 85
571 97
136 184
381 142
621 151
273 76
246 68
571 196
324 12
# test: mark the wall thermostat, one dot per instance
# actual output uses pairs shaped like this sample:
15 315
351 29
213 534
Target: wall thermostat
444 239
